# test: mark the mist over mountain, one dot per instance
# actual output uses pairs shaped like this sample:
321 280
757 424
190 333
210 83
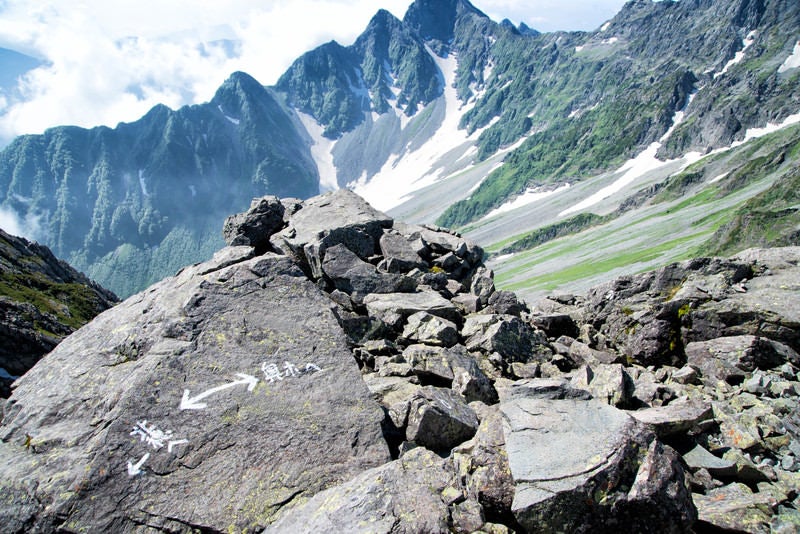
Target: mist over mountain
444 116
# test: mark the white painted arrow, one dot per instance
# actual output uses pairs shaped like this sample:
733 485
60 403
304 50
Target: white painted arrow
175 443
135 469
194 403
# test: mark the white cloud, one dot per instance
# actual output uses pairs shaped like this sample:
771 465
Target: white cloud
108 62
29 228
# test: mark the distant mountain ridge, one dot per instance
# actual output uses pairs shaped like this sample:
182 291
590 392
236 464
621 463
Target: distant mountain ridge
442 116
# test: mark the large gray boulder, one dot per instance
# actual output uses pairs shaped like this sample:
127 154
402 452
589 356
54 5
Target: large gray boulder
416 493
254 227
584 466
352 275
439 419
511 337
338 217
200 403
732 358
396 308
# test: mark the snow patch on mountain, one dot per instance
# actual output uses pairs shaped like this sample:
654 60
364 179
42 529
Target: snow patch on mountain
755 133
407 172
739 57
230 119
637 167
793 61
143 183
322 152
532 195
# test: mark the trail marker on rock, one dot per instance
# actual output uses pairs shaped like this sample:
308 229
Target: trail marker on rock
193 403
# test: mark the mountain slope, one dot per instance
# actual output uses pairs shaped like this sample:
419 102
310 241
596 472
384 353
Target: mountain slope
597 99
132 204
444 116
42 301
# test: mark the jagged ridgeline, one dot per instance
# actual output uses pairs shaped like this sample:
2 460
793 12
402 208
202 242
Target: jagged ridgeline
131 204
444 116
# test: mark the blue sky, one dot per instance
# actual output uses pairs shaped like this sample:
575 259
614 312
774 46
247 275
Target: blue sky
109 61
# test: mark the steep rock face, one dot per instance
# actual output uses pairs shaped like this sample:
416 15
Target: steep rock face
42 300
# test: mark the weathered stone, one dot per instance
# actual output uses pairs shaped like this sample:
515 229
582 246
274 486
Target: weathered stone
746 470
470 381
439 419
430 364
403 252
649 391
390 390
734 508
525 370
338 217
357 278
505 303
731 358
581 354
700 458
482 285
701 481
607 383
254 227
556 325
736 429
422 327
509 336
543 388
467 303
675 417
216 377
391 306
411 494
686 375
576 465
482 463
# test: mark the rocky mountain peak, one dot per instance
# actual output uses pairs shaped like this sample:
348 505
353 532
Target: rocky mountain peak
435 20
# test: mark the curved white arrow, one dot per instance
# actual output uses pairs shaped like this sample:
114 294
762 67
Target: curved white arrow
193 403
135 469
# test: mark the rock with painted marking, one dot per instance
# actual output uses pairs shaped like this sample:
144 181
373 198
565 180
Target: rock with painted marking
194 383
